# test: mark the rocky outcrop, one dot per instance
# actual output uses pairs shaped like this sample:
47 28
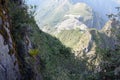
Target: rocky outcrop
112 30
9 69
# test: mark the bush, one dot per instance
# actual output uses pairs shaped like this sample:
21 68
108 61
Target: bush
33 52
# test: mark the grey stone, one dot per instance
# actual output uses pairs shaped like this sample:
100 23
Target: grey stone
0 21
7 68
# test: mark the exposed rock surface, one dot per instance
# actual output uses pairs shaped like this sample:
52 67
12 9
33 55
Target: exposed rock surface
15 59
112 30
106 38
9 69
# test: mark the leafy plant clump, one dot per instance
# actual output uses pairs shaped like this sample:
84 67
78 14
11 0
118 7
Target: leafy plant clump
33 52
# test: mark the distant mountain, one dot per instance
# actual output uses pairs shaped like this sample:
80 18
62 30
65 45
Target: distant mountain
58 11
102 7
51 13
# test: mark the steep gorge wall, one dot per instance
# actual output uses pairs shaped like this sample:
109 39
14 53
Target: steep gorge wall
9 69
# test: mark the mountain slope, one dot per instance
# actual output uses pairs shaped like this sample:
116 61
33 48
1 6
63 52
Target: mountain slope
98 48
50 13
91 36
39 55
27 53
54 13
60 10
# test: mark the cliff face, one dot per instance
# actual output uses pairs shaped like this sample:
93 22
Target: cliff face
16 63
9 69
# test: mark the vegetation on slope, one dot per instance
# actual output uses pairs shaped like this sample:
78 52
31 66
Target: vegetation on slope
55 61
70 37
102 58
58 63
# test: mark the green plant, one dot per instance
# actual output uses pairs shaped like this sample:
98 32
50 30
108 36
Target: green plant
33 52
